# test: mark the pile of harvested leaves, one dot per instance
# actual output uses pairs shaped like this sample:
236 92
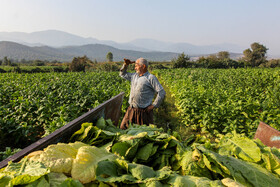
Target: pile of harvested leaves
103 155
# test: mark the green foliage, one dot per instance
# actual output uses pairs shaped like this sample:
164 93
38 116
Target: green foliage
221 101
271 63
222 55
219 61
38 63
146 156
2 70
109 57
34 69
59 69
246 173
6 61
256 55
183 61
158 66
93 135
8 152
249 150
33 105
107 66
140 144
79 64
24 172
29 173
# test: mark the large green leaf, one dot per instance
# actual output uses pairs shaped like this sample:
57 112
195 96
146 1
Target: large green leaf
193 164
77 136
70 182
271 160
120 148
141 172
23 172
128 173
101 123
109 171
41 182
230 182
152 184
144 152
149 130
131 152
192 181
5 179
248 174
241 147
55 180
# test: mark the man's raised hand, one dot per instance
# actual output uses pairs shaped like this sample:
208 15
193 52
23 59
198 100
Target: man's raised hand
127 61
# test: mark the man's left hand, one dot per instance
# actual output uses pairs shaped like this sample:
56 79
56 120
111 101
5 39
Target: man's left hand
150 108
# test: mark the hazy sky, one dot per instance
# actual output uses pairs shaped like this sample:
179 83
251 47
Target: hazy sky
199 22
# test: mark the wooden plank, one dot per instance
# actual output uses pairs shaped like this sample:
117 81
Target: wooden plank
268 135
110 109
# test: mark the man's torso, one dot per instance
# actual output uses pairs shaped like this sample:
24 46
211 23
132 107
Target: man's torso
142 92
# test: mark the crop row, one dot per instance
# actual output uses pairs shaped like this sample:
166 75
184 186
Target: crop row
221 101
34 105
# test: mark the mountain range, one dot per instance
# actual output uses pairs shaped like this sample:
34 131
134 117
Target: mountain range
96 52
63 46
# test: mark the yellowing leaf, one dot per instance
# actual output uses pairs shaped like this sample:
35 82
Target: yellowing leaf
58 157
84 166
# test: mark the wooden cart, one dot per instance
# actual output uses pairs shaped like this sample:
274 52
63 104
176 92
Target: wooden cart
110 109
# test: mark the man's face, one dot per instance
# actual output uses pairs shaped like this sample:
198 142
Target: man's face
138 67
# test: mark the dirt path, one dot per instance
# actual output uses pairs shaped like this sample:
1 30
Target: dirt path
166 115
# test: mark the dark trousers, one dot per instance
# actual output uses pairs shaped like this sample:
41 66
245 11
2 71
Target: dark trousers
137 116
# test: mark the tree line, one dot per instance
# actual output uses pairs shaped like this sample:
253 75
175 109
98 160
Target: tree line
252 57
255 56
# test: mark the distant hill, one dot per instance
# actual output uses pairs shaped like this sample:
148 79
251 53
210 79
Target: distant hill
63 46
187 48
55 38
93 51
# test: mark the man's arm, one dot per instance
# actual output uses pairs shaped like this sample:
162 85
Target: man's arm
123 71
160 92
160 96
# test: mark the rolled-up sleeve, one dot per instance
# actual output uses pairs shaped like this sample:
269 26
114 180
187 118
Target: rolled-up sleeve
124 74
160 91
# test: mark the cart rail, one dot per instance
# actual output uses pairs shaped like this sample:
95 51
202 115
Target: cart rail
268 135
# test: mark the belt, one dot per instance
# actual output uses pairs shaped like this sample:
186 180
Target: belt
135 107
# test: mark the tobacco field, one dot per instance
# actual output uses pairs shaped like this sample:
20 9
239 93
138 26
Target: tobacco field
34 105
225 100
222 107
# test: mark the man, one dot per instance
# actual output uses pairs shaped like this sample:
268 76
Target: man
144 86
